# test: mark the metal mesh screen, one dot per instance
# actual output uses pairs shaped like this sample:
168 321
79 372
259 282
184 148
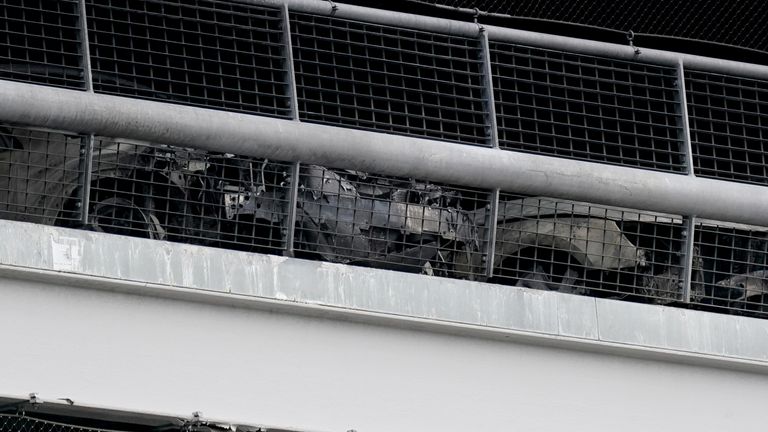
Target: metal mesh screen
728 126
589 108
404 224
721 21
209 53
20 423
383 78
40 42
39 174
734 262
176 194
588 249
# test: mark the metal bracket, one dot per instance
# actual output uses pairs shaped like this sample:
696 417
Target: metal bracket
334 7
34 401
193 423
480 27
631 39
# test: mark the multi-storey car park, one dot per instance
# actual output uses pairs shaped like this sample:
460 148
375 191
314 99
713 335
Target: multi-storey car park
327 216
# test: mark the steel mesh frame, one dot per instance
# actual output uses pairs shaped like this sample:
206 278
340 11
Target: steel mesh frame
583 248
728 124
734 263
640 107
214 54
375 77
22 423
40 175
40 42
588 108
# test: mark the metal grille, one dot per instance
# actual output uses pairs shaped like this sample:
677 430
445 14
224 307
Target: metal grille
20 423
728 126
587 108
39 174
404 224
213 54
176 194
40 42
402 81
734 262
720 21
588 249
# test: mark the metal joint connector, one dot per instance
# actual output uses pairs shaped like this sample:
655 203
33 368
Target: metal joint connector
631 39
480 27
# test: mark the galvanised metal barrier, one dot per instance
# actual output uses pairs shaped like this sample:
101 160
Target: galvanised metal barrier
359 68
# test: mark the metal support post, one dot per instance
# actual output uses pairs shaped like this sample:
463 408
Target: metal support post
84 48
291 75
293 194
492 130
293 207
683 111
689 238
86 151
84 180
493 138
492 225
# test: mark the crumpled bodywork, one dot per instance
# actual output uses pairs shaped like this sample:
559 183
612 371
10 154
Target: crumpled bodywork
595 243
749 289
376 222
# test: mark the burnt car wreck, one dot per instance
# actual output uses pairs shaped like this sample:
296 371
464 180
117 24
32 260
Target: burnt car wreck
346 216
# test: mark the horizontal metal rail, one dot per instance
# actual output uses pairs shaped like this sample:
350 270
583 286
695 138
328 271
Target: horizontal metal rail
381 153
563 43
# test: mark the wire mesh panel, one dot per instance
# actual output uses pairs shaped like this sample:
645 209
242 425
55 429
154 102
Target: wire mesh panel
728 126
383 78
39 175
403 224
734 264
40 42
209 53
20 423
583 248
183 195
588 108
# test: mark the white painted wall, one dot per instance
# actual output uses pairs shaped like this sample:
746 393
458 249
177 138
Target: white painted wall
151 354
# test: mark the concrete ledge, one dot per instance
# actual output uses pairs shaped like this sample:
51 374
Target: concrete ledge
147 267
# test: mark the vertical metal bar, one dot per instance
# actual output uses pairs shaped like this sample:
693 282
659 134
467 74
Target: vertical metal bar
86 160
85 49
293 194
690 238
291 75
86 152
492 133
683 111
690 225
491 224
